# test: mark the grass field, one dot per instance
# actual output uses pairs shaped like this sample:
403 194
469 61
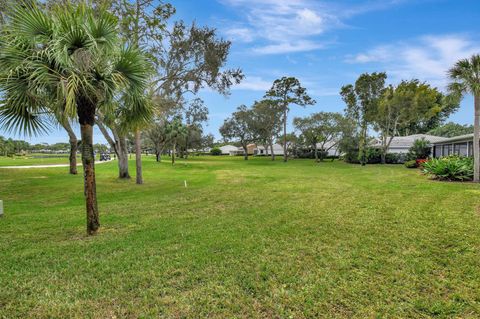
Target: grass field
35 159
256 239
38 159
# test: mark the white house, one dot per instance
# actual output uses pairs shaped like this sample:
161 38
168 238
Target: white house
402 144
261 150
227 149
332 149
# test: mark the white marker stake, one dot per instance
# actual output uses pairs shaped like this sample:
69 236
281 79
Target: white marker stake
185 182
1 208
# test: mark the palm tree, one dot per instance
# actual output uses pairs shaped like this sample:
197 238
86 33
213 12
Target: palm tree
465 76
175 130
71 57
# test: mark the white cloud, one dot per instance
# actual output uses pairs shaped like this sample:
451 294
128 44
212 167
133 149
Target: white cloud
284 26
427 58
378 54
288 47
240 34
253 83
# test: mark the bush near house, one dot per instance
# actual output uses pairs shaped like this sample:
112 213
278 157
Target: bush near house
216 151
420 150
411 164
450 168
308 153
374 157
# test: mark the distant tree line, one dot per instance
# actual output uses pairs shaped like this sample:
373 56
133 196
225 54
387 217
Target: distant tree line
11 147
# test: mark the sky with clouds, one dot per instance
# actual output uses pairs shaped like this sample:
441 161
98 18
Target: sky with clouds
329 43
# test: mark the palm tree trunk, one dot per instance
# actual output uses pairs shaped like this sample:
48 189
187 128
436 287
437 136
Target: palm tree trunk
86 118
73 148
72 138
73 156
88 162
285 134
138 156
476 139
123 159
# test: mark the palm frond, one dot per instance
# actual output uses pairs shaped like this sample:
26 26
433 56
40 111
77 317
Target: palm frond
465 75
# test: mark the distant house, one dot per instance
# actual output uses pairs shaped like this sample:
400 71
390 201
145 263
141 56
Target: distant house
262 150
329 147
459 145
240 151
402 144
200 150
227 149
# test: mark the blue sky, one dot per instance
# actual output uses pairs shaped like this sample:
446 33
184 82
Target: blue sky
327 44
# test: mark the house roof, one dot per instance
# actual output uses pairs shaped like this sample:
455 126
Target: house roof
329 145
228 147
465 137
407 141
275 146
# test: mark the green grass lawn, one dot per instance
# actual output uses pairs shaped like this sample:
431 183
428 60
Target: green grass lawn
39 159
256 239
35 159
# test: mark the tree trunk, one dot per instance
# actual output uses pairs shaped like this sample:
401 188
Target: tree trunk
316 152
362 156
123 172
88 162
157 155
73 156
86 118
119 145
245 153
476 139
173 152
138 156
285 134
72 138
271 149
383 156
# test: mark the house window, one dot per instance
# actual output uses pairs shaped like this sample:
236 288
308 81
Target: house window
461 149
438 151
261 151
447 149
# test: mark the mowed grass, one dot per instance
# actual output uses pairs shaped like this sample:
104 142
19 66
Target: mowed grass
245 239
35 159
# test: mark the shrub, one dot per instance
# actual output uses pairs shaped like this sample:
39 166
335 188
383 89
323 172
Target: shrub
395 158
309 153
374 157
411 164
420 149
216 151
451 168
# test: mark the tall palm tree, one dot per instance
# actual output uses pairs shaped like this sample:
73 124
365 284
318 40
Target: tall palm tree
71 57
465 77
